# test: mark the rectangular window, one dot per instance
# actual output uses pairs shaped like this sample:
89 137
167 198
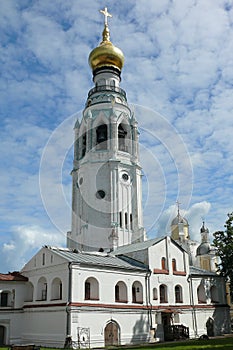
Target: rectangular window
43 259
44 292
87 291
4 299
117 293
120 217
131 222
126 220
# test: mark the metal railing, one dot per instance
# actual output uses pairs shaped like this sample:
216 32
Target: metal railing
102 88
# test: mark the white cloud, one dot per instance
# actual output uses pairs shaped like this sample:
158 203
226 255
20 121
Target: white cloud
24 241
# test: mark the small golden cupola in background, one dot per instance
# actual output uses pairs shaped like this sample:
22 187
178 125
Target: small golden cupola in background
106 54
179 227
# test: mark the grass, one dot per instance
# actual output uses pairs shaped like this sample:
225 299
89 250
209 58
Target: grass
214 343
217 343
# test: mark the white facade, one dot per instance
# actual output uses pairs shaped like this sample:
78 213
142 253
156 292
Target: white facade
78 296
107 198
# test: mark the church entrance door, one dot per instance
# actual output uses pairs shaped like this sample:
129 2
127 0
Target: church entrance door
166 321
2 335
111 334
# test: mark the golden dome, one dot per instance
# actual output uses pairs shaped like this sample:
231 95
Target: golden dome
106 54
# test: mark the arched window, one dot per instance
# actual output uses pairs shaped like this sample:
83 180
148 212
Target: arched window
178 294
137 293
214 294
163 293
121 292
122 133
42 289
101 136
91 289
201 295
174 264
56 292
155 294
163 263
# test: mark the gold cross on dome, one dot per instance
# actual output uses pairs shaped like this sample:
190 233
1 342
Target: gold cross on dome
106 15
178 207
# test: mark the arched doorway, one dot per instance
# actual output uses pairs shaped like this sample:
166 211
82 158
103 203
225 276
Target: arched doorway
2 335
210 327
111 334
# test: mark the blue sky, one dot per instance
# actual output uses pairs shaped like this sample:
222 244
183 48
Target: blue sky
178 76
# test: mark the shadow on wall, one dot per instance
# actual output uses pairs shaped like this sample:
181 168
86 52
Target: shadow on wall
140 331
219 323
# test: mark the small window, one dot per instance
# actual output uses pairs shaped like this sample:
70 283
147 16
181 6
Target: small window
87 291
137 292
131 221
163 293
155 294
84 144
100 194
43 259
117 293
125 177
178 294
122 138
101 136
120 217
126 220
163 263
91 289
4 299
201 294
174 264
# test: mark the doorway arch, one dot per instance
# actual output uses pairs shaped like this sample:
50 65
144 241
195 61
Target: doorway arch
210 327
112 334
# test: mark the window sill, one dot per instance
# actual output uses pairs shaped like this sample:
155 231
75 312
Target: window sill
179 273
161 271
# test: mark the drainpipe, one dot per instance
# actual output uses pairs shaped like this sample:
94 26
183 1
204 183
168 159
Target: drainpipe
148 303
68 314
192 304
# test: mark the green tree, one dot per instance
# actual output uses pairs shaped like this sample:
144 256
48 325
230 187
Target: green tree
223 242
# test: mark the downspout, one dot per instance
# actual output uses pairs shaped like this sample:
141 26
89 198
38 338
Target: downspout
194 317
148 303
68 313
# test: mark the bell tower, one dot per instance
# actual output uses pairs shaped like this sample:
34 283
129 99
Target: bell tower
106 193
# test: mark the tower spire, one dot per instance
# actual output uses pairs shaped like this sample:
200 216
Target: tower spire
106 32
178 208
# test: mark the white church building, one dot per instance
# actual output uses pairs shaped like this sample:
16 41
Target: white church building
111 285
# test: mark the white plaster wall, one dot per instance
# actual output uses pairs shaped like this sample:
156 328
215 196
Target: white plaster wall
107 280
134 324
45 326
